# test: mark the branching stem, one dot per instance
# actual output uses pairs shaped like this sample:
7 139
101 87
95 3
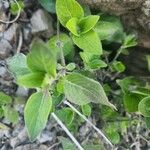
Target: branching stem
90 123
67 131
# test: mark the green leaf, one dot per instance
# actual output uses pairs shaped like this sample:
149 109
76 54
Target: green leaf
68 47
88 23
1 113
31 80
114 137
82 90
41 58
66 115
14 7
89 42
86 110
145 92
48 5
131 102
118 66
11 114
129 41
5 99
144 107
71 66
127 83
67 144
67 9
92 61
147 121
36 113
18 65
110 28
148 61
60 86
72 26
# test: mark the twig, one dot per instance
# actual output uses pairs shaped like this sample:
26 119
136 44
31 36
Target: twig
67 131
59 45
20 42
90 123
54 145
16 18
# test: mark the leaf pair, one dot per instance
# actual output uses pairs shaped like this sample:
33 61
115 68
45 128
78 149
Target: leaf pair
41 62
81 27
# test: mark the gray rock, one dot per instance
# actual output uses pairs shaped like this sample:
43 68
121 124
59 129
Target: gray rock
10 34
22 137
41 22
5 49
27 34
22 91
45 136
3 71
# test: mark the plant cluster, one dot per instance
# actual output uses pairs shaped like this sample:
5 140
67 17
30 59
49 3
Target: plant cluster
51 68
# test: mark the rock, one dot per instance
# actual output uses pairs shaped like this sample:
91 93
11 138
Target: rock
3 71
27 34
46 136
5 49
22 137
22 91
41 22
11 34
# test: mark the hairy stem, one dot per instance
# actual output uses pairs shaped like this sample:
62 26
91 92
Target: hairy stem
60 45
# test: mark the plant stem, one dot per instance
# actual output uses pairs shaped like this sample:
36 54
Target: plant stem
67 131
18 15
118 53
59 45
90 123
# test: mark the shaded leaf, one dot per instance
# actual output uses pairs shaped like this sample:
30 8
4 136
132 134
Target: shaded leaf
49 5
67 43
31 80
88 23
144 107
5 99
11 114
72 26
18 65
41 58
66 115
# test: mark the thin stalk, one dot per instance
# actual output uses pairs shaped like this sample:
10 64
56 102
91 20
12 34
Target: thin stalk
118 53
14 20
90 123
67 131
60 45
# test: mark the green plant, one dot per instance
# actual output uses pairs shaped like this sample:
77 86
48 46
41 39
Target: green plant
55 81
6 109
14 9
